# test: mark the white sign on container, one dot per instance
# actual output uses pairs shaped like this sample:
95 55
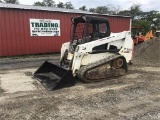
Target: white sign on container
44 27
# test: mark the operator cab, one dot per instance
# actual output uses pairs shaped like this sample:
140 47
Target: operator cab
88 28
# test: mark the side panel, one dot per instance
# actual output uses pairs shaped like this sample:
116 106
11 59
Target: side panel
119 24
91 58
65 46
128 47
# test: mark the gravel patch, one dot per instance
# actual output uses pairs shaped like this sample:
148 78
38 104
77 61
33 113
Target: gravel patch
1 90
134 96
25 62
148 53
131 97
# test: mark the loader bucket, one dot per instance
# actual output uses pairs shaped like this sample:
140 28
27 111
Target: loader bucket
53 76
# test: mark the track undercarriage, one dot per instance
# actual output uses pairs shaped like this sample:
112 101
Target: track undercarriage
112 67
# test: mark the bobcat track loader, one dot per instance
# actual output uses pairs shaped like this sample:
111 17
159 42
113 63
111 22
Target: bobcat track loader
93 54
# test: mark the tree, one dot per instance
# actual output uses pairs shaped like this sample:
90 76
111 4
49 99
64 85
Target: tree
60 5
113 10
11 1
92 10
135 10
39 4
83 8
153 17
68 5
48 3
102 10
109 9
142 23
124 13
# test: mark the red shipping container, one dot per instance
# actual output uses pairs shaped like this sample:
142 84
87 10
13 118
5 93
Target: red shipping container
15 38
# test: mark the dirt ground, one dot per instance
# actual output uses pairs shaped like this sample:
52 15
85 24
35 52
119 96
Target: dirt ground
131 97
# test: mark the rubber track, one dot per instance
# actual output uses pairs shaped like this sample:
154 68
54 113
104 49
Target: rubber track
84 69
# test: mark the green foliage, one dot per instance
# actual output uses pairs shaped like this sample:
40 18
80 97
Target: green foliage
113 10
60 5
11 1
147 20
110 9
51 3
124 13
99 9
135 10
102 10
83 8
48 3
68 5
92 10
142 23
39 4
154 18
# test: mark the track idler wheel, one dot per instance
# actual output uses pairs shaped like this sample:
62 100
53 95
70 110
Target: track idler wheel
118 63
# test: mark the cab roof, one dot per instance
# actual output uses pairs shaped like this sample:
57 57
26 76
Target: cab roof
88 18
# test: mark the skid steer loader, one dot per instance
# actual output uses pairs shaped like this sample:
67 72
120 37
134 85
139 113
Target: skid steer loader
93 54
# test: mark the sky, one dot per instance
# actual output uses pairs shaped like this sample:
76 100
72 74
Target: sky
146 5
